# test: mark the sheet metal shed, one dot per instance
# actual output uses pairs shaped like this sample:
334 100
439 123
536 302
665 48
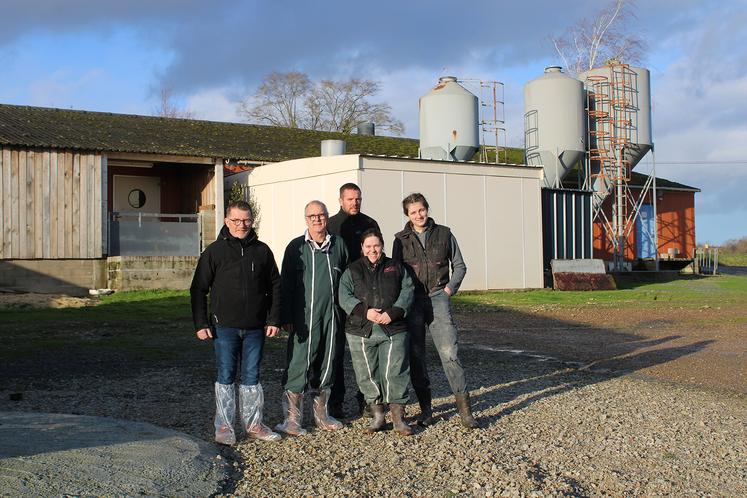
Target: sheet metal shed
493 210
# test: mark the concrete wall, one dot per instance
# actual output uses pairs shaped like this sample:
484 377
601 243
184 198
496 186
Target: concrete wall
60 276
494 211
150 272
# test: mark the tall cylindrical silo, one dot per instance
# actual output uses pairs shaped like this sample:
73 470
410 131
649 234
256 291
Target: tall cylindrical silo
630 89
449 122
554 123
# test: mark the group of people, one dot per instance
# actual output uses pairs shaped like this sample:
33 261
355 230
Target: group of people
336 286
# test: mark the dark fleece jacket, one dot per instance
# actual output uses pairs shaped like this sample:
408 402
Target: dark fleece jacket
243 281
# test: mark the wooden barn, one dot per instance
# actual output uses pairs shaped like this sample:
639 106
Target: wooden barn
93 200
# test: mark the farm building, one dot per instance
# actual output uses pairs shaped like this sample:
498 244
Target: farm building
93 200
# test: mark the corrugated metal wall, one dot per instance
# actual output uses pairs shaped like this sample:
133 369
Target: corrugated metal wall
52 204
566 225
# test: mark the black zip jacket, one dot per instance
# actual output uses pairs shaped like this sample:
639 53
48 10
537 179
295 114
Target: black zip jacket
350 229
243 281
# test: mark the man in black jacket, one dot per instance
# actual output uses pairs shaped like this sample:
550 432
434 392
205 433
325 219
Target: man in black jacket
349 223
242 278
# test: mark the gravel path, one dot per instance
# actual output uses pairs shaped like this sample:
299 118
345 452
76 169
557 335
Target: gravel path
549 430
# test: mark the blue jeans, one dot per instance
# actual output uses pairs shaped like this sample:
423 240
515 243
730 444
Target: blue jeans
234 347
433 313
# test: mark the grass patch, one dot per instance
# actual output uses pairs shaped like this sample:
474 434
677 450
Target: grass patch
132 306
732 258
694 291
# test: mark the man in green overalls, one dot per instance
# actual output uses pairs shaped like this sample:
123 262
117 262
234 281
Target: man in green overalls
312 266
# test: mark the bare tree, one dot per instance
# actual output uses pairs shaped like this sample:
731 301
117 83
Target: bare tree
292 100
609 35
279 100
343 105
168 109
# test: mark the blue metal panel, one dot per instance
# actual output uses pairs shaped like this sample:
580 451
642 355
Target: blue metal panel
645 227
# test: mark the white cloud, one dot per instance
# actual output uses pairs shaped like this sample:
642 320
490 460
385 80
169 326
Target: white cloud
214 104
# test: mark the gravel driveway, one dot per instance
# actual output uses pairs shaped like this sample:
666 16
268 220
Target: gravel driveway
549 430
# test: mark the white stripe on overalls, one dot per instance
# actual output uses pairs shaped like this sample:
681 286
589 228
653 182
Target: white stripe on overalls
311 317
368 366
332 335
388 364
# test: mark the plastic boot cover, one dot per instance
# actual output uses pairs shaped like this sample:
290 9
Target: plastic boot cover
293 408
225 412
321 414
251 405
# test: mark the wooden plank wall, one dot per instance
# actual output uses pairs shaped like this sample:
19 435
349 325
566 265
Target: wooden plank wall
52 204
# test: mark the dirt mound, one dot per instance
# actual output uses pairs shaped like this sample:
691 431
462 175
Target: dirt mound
13 300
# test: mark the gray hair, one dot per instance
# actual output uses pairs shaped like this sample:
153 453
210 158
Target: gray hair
316 203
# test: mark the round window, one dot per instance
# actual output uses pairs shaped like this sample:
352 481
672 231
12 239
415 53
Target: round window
136 198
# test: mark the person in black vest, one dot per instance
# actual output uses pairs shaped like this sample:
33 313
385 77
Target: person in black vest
428 249
376 293
349 223
240 274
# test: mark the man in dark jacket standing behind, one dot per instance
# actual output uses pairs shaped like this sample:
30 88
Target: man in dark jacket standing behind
428 248
349 223
242 278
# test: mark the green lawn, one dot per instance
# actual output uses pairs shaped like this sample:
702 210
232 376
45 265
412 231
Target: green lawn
687 291
121 306
732 258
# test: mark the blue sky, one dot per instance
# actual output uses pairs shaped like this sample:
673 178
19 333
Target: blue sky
107 56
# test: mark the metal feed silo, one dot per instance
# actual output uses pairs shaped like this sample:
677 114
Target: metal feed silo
554 123
628 91
449 122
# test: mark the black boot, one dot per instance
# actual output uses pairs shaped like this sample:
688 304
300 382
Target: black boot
398 420
336 410
465 410
378 420
364 410
426 407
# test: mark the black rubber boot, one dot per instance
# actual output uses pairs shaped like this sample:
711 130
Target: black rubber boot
465 411
364 410
336 410
378 420
426 407
398 419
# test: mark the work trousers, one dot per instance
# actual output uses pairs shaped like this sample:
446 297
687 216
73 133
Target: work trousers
433 313
381 366
310 357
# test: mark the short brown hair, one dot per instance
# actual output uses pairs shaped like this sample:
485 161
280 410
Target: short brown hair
241 206
412 199
349 186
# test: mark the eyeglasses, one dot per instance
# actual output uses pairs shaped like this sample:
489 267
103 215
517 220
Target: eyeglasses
238 222
318 217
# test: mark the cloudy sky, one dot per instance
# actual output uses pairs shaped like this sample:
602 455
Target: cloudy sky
116 56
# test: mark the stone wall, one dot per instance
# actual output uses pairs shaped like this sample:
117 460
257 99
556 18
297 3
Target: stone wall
53 276
150 272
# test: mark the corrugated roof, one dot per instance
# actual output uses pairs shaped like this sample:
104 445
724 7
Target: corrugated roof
103 131
637 180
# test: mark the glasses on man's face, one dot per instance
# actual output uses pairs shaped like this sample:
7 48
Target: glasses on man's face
316 217
237 222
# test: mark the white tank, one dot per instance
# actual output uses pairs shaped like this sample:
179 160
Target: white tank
554 123
449 122
637 96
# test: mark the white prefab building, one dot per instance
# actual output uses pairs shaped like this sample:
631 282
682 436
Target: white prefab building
494 211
